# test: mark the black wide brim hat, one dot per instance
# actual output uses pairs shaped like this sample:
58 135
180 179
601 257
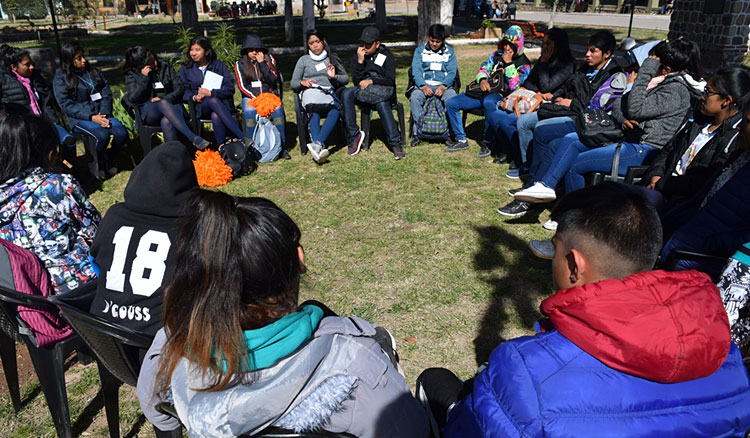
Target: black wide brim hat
253 41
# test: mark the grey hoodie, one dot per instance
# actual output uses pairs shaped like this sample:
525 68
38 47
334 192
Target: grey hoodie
340 381
661 110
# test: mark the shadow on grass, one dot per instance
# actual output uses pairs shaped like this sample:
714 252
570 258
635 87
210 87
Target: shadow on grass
523 280
88 414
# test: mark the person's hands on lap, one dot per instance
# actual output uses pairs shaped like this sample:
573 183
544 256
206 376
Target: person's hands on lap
563 102
654 179
427 90
484 85
439 90
365 83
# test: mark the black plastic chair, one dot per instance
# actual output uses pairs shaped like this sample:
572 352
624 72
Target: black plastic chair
270 432
49 362
366 114
117 352
145 132
89 145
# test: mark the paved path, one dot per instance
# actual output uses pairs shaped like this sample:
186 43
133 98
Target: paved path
640 21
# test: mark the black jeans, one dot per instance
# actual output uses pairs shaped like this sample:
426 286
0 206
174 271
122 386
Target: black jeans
393 138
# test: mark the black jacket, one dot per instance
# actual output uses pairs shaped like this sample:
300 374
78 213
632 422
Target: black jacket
77 105
579 89
545 80
384 74
12 91
155 198
712 157
139 88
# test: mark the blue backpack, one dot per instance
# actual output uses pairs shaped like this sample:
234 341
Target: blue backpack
432 123
266 140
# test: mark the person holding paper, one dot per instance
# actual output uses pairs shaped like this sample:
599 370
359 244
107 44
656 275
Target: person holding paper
86 100
152 84
257 73
315 77
208 82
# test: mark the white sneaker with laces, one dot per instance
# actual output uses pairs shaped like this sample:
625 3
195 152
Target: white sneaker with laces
536 194
544 249
550 225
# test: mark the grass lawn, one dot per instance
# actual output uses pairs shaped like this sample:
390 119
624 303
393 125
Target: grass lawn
414 245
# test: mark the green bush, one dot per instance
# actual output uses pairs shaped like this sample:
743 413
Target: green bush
488 24
120 113
225 45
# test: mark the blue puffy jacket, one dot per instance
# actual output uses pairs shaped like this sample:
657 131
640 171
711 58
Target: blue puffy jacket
660 326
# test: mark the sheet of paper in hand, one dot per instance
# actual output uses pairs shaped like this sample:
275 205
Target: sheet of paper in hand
212 81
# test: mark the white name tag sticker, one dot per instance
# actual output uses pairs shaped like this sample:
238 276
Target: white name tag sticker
96 96
320 66
256 84
158 86
436 66
36 95
380 60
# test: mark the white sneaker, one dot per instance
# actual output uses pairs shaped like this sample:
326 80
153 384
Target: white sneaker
550 225
536 194
314 151
544 249
319 155
323 156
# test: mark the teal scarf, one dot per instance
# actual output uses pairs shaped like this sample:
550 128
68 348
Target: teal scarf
267 345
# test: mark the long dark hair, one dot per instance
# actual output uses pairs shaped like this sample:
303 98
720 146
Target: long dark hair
732 82
563 55
237 268
137 57
335 60
67 53
205 44
25 141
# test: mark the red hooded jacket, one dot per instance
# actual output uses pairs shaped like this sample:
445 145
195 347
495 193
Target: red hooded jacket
663 326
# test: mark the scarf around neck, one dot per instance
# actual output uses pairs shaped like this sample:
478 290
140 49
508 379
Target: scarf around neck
26 82
317 58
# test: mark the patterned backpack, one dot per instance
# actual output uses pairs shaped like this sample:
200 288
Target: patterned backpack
432 123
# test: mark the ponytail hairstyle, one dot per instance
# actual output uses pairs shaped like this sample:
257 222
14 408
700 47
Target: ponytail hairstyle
237 268
70 74
137 57
205 44
682 55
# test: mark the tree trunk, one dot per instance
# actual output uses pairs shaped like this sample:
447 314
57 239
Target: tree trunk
430 12
551 23
189 14
308 19
380 15
288 21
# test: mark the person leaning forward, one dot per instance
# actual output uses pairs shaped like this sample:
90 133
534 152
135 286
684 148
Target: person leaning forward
373 69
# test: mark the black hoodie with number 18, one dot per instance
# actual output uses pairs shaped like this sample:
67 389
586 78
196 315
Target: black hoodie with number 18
136 242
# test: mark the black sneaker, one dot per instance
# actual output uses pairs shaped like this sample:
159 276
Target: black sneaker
514 209
484 152
500 159
512 192
455 146
415 141
398 152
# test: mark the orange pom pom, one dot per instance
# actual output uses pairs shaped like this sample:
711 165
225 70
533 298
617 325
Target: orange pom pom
211 169
265 103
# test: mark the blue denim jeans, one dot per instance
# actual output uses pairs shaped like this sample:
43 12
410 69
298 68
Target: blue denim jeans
454 105
502 125
101 134
525 131
320 133
383 108
562 153
277 118
544 132
600 160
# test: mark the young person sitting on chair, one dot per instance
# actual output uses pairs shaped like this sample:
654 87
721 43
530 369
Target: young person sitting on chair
507 69
373 69
316 77
434 68
152 84
239 355
136 244
624 350
215 103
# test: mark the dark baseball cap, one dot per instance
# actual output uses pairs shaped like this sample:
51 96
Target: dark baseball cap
370 34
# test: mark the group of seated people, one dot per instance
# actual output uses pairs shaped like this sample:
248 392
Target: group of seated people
622 349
